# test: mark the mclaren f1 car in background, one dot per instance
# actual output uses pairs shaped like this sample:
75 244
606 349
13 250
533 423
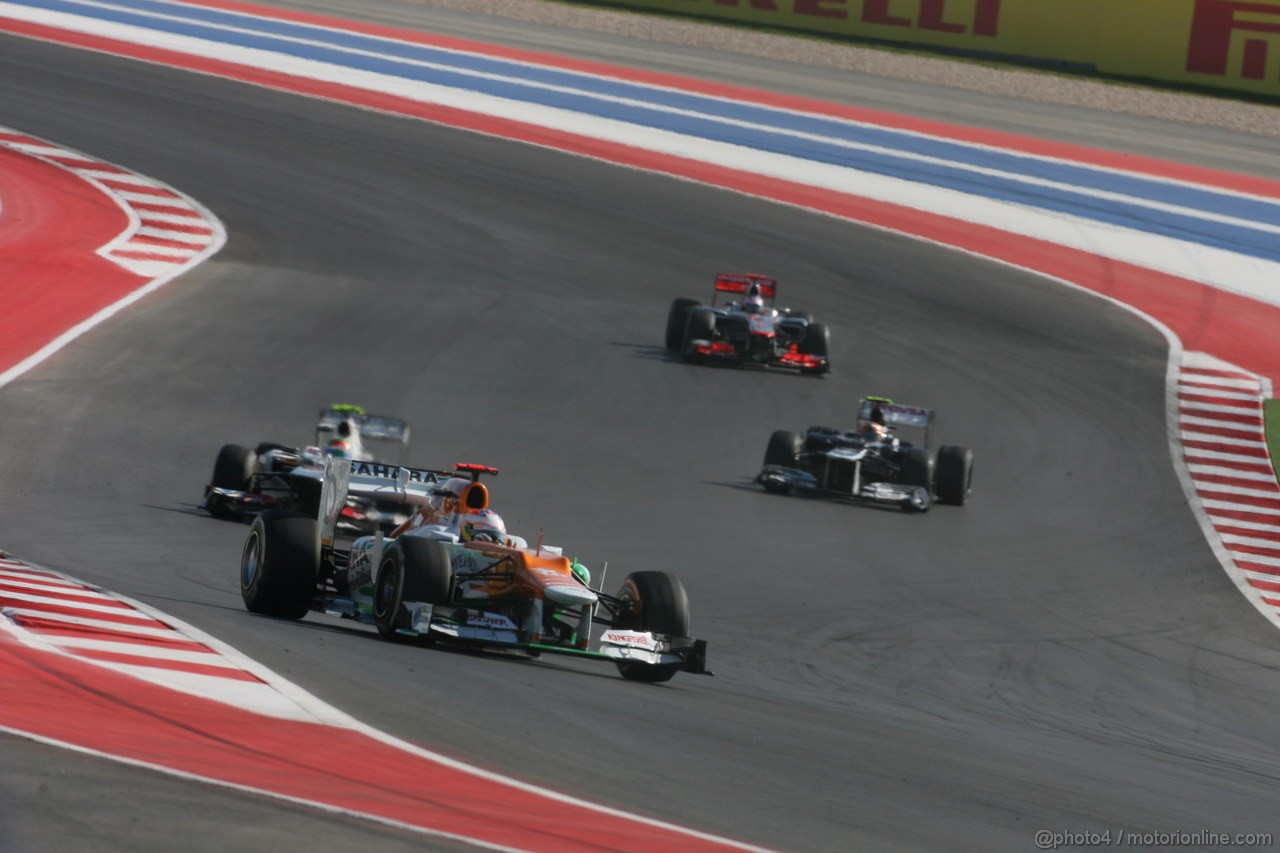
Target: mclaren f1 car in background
452 572
870 462
275 476
749 330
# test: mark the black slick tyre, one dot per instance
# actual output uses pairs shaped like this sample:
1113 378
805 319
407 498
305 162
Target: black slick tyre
817 342
783 449
677 318
955 475
412 569
700 326
233 467
279 564
656 602
919 469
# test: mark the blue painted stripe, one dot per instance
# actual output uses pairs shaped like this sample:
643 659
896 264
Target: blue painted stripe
708 122
1155 189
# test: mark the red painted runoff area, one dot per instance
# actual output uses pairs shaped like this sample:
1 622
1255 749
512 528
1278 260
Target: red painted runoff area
71 701
51 224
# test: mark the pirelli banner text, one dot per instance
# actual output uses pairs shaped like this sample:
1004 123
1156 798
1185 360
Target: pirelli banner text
1233 44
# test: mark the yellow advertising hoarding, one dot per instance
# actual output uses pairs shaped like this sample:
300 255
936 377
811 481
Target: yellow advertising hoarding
1228 44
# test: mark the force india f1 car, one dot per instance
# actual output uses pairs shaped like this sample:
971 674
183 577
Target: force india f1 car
452 572
748 331
870 463
274 476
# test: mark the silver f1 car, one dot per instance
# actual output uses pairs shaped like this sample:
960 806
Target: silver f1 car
274 476
870 463
453 573
749 330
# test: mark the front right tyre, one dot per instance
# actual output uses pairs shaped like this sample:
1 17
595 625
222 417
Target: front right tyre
279 564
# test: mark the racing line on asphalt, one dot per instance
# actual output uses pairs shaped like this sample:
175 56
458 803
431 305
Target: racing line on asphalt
61 635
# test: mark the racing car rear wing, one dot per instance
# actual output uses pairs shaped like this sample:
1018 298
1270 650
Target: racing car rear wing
375 427
731 283
885 411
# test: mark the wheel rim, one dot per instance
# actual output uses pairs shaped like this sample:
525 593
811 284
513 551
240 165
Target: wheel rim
250 559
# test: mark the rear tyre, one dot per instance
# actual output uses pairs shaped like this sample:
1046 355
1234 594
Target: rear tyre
412 569
700 326
817 341
919 469
279 564
955 475
656 602
783 449
233 467
677 318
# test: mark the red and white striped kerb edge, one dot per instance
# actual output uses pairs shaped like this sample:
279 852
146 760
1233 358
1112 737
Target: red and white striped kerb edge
167 230
51 612
1220 423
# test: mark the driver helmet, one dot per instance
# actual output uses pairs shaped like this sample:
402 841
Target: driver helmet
753 303
483 525
878 431
337 449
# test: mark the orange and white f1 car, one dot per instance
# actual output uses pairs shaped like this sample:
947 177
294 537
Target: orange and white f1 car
453 572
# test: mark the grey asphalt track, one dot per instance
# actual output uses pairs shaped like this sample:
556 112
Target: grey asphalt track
1063 654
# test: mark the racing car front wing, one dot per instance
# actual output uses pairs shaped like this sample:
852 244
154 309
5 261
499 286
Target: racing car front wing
779 478
496 630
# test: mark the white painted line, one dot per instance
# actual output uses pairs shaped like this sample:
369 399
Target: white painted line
1273 492
1245 444
1245 429
207 657
115 177
1243 477
1255 410
188 218
1237 539
1224 522
100 624
1257 462
114 610
1221 506
1223 382
176 236
1186 389
162 200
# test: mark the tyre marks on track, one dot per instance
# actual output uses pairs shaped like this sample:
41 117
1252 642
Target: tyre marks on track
1222 431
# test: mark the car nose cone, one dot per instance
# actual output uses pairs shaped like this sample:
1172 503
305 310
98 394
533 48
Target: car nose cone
570 595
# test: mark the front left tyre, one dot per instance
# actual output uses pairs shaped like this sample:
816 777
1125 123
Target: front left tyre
699 326
279 564
233 467
677 317
654 602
